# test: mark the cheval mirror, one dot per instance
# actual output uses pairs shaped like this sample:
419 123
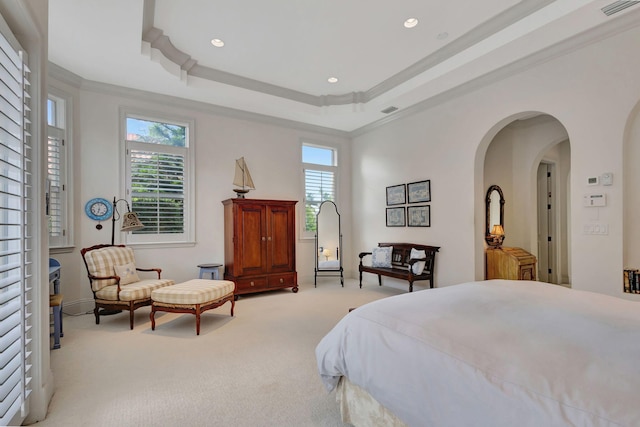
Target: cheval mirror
328 242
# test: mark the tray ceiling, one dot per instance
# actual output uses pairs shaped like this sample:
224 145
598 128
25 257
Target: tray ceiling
279 54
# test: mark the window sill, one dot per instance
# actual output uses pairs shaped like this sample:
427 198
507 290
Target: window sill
61 249
159 245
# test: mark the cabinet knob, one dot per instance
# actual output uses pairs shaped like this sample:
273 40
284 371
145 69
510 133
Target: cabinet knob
252 284
263 238
269 238
281 280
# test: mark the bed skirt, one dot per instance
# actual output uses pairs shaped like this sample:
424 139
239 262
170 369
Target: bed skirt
358 408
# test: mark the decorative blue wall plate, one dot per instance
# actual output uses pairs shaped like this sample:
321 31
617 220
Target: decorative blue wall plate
98 209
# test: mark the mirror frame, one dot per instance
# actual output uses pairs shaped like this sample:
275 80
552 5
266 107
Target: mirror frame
489 238
329 271
339 241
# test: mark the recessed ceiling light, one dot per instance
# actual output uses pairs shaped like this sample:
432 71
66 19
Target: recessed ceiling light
411 22
217 42
332 80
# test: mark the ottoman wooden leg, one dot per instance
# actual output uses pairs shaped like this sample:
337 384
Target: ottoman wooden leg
152 316
197 319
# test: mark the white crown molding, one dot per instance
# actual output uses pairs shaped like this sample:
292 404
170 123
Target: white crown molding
467 40
74 80
63 75
610 28
154 38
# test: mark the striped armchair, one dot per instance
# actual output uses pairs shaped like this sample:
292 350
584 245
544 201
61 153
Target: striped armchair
115 283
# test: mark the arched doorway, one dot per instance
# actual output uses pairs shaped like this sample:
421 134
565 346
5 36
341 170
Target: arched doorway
529 158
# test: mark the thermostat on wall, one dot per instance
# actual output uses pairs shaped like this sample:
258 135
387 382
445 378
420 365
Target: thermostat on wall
593 180
595 199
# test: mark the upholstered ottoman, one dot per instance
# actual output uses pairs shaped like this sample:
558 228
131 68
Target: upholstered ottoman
193 296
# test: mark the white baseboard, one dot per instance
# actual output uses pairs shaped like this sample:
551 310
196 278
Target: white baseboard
78 307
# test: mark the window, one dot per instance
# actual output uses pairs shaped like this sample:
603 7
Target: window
58 179
158 162
320 168
17 226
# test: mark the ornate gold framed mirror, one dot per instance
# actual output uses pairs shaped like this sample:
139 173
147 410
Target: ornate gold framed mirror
494 230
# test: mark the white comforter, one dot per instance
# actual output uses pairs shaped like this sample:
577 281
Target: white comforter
493 353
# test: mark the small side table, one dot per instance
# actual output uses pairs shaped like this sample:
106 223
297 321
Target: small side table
213 269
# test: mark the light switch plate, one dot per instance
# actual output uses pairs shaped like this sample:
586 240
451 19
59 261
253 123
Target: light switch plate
607 178
597 200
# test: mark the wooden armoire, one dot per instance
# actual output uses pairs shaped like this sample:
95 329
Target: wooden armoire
260 244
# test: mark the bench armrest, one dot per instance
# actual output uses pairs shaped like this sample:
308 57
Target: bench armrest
414 260
362 255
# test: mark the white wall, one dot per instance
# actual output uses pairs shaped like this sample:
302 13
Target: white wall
591 92
273 153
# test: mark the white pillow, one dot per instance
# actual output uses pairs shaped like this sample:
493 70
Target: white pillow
127 273
381 257
418 267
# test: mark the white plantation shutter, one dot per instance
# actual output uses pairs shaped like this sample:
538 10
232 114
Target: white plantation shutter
157 195
319 186
16 231
320 170
159 178
55 149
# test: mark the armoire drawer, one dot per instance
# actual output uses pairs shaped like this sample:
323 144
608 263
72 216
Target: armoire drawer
254 284
282 280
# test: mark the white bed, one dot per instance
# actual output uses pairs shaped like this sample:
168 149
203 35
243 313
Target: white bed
491 353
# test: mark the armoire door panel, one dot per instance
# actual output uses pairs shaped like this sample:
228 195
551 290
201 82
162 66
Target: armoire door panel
279 239
251 240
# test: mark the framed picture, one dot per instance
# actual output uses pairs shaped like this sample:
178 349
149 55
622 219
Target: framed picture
419 192
419 216
396 217
396 195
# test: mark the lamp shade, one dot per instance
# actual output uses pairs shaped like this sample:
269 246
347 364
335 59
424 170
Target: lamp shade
131 222
327 252
497 230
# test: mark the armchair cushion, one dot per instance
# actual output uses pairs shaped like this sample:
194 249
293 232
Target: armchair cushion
133 291
127 273
100 263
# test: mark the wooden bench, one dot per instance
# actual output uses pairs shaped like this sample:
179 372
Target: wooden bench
401 264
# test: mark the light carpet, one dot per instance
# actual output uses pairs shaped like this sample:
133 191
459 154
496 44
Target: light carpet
257 368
